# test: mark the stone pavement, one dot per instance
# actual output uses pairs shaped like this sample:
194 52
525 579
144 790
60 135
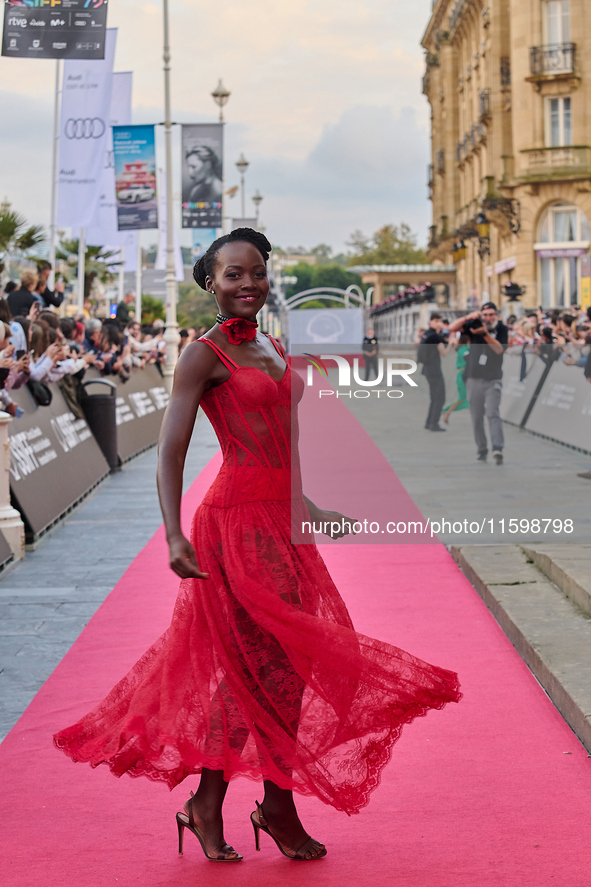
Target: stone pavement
48 598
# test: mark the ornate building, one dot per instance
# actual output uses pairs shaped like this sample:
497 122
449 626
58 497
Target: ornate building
508 82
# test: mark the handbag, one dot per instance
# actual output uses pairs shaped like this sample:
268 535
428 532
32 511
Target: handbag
41 392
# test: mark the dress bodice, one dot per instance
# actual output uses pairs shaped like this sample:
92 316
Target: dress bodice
255 420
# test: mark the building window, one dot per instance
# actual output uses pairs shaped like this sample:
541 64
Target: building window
563 235
556 22
558 122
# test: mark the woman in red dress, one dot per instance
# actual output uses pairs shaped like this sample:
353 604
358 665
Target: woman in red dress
260 673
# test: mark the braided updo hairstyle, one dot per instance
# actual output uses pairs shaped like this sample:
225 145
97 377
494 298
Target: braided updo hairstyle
204 267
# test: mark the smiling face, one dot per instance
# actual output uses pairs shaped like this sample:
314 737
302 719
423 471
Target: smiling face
239 280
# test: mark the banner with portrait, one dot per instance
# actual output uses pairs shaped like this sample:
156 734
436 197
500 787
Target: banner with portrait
84 136
40 29
202 165
134 156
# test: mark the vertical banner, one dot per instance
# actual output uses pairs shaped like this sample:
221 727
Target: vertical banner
54 29
202 240
586 281
103 227
84 136
135 177
202 175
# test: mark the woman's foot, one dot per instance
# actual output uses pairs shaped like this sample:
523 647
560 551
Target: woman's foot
285 827
211 827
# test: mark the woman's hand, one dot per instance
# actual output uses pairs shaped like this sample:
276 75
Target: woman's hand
183 560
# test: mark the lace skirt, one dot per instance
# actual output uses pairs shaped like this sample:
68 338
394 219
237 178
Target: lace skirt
261 674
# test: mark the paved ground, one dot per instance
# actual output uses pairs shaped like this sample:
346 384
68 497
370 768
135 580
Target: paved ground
46 600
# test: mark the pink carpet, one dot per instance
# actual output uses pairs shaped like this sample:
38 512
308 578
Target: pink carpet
493 792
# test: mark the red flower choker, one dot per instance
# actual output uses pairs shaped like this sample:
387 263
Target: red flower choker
237 329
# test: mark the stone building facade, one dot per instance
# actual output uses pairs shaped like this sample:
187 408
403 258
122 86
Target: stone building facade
509 85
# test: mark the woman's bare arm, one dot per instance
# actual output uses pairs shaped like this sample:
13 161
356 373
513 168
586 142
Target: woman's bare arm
197 369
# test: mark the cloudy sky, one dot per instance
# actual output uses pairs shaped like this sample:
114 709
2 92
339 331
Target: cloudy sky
326 105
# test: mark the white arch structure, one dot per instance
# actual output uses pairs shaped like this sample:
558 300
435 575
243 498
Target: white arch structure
352 297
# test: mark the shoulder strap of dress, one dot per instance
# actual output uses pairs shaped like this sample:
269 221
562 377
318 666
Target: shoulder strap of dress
227 361
278 346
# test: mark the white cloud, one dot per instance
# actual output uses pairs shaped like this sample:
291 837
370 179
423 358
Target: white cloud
322 92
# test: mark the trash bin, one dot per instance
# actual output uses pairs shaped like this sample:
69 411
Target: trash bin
100 413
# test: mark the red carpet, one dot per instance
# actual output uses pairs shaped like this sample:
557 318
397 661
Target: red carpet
493 792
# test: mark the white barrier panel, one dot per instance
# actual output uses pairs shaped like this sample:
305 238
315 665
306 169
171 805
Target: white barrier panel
516 394
563 408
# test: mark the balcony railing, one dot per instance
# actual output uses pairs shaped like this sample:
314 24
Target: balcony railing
556 58
484 103
430 175
569 162
505 65
440 161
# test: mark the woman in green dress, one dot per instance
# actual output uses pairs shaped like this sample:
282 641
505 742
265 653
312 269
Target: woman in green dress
462 347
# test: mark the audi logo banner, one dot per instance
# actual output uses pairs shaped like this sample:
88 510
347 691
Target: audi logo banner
84 128
85 135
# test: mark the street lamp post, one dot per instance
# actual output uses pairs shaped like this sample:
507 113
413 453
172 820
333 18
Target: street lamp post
242 165
220 95
256 199
171 336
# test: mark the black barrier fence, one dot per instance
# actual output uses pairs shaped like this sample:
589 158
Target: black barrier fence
140 405
55 459
559 410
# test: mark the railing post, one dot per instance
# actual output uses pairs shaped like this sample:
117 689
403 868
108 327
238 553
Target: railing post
11 522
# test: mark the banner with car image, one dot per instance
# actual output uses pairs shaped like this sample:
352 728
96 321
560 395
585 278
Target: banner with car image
134 155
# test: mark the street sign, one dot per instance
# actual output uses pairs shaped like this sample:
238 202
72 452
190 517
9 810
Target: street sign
54 29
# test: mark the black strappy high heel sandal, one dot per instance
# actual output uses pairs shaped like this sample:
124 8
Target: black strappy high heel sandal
183 821
297 855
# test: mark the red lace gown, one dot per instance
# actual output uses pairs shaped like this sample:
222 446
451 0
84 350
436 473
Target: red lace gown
260 673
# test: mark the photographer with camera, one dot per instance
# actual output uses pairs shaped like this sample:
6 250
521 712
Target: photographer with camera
489 338
432 348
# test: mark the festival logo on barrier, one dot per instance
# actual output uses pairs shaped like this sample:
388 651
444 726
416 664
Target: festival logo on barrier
135 177
84 135
202 159
55 29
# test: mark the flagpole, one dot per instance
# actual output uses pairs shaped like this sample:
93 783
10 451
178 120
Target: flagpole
54 175
81 268
171 336
121 272
138 282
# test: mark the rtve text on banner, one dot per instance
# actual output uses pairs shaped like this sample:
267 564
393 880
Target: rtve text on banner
135 177
202 165
85 135
66 29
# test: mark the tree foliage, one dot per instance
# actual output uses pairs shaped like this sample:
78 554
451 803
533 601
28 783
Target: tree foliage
152 309
16 238
100 264
195 306
390 245
311 276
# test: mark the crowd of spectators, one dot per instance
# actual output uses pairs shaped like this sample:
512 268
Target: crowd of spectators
37 346
555 334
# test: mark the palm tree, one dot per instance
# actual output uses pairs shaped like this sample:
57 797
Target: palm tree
98 264
15 237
